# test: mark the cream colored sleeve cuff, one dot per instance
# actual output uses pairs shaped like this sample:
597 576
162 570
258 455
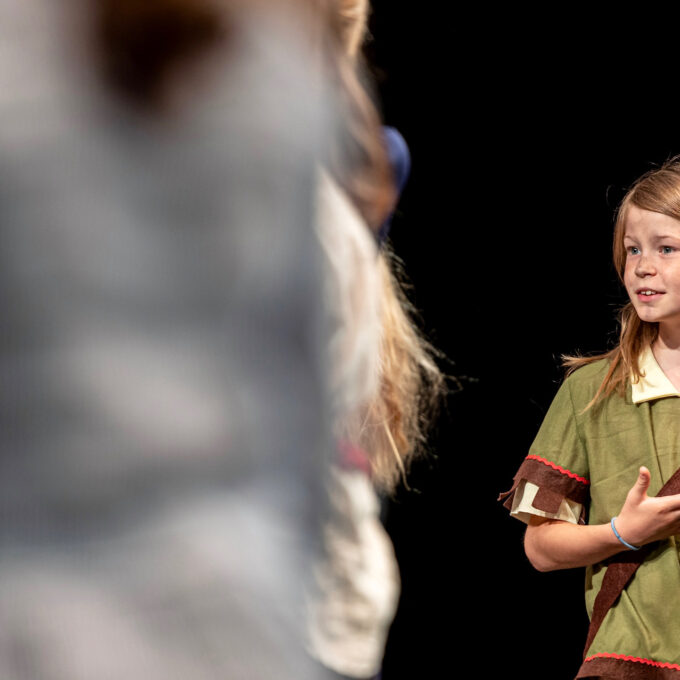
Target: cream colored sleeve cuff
522 507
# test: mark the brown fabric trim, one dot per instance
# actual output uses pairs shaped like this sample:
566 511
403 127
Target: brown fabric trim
620 570
618 669
553 487
547 499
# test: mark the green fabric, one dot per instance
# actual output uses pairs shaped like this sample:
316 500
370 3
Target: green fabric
606 445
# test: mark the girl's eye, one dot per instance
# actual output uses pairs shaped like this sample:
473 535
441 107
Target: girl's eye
667 250
633 250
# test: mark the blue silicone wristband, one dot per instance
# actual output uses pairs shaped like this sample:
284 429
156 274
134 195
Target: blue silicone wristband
618 535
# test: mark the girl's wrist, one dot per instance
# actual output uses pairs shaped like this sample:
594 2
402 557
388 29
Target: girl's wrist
621 539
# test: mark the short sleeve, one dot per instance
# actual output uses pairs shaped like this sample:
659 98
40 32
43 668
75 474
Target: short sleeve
523 508
553 479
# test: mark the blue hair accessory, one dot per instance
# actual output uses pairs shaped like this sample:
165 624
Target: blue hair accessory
400 161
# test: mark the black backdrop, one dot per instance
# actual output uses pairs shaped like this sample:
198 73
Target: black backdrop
521 150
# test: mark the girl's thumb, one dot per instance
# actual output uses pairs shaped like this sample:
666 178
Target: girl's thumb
643 481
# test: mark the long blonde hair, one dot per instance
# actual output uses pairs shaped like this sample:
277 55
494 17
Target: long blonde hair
358 157
391 428
658 190
411 384
353 17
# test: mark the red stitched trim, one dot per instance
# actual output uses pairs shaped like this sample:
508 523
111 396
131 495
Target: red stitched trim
564 471
623 657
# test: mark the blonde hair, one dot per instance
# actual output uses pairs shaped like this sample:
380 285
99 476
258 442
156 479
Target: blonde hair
658 190
391 427
353 16
411 385
358 156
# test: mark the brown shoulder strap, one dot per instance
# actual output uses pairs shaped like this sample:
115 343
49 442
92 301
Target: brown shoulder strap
620 571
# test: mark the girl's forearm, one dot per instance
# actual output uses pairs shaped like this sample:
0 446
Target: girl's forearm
554 544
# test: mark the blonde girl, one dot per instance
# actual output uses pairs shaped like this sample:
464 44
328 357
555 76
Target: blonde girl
599 488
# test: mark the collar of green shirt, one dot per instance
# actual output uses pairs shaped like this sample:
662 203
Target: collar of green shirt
653 383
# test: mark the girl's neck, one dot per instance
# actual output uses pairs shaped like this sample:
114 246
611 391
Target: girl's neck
668 337
666 350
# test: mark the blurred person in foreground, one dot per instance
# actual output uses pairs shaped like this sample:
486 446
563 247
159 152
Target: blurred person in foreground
386 382
164 415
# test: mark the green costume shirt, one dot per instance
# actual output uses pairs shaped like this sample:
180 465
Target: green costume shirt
592 458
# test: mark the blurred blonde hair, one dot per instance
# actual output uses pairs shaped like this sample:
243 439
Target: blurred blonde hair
658 190
358 158
391 427
353 15
393 432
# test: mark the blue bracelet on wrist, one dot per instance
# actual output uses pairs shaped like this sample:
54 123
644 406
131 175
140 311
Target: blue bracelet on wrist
616 533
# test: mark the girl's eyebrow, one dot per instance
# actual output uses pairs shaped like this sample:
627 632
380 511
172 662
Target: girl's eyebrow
661 237
656 237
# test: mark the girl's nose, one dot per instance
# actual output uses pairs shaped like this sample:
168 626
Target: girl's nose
644 267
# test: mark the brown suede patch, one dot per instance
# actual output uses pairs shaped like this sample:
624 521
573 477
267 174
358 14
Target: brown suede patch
548 500
553 487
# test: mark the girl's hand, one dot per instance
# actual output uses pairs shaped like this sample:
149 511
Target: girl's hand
644 519
554 544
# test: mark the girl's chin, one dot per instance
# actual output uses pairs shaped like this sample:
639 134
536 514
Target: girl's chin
644 312
665 321
648 316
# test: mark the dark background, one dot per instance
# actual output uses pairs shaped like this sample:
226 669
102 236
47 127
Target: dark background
522 145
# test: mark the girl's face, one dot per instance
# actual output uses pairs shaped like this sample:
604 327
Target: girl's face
652 272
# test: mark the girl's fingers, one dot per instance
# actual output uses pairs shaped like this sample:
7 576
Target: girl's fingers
638 491
671 503
644 478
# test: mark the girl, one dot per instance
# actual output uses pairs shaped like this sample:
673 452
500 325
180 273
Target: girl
384 377
599 487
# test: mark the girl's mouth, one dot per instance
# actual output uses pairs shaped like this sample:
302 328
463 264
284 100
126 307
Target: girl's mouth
648 293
